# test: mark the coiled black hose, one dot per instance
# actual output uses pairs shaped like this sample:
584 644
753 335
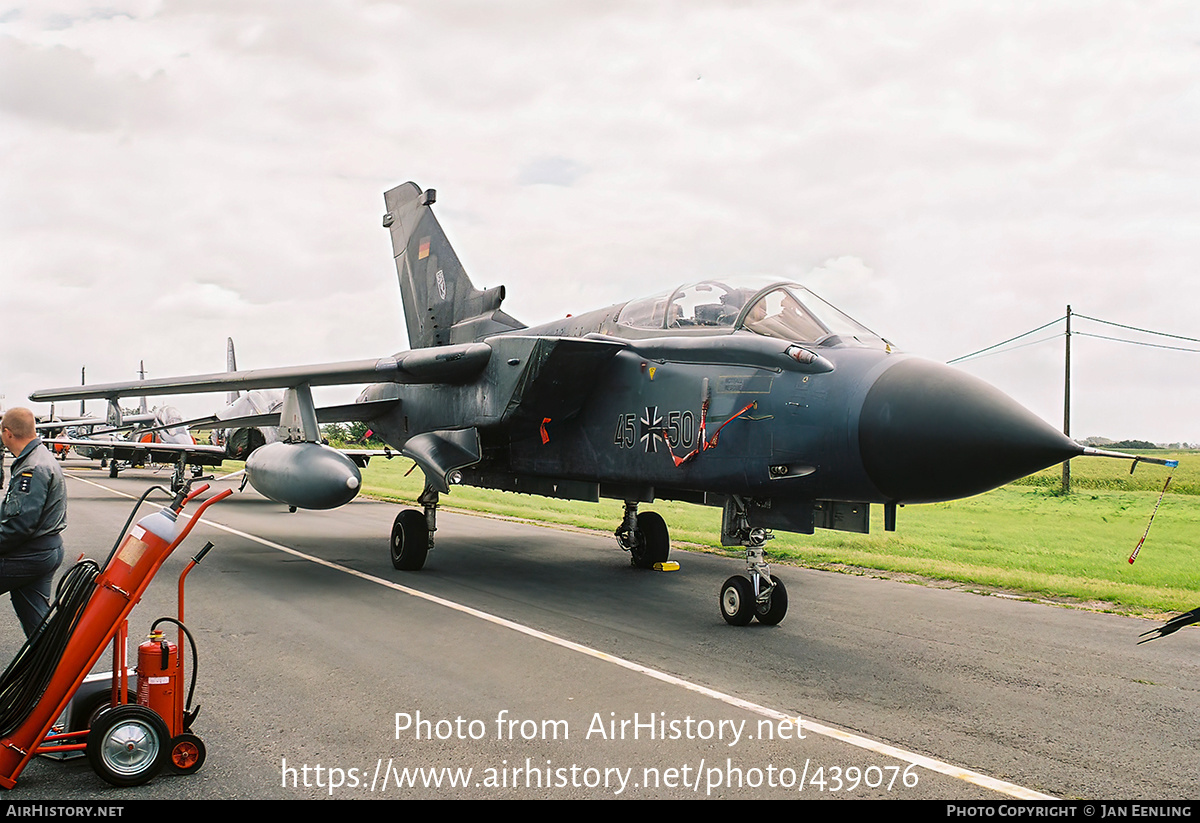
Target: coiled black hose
27 676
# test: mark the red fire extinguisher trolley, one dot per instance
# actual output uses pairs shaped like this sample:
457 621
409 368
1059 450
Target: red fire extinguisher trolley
127 744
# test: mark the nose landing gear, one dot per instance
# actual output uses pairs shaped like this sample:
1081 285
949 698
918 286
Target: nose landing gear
760 595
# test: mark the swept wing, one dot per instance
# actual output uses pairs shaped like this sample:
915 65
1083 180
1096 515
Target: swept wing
446 364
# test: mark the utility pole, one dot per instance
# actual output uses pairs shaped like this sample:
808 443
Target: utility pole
1066 466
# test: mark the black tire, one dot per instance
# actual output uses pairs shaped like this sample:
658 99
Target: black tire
737 601
128 745
410 541
186 755
112 469
773 614
652 543
84 716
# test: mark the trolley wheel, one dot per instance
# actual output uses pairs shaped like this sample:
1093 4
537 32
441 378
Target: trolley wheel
128 745
85 716
187 754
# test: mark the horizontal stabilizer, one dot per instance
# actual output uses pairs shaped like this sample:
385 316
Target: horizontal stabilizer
363 412
128 421
128 450
346 413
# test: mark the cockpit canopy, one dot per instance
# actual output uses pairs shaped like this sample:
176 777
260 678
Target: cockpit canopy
167 416
787 311
169 420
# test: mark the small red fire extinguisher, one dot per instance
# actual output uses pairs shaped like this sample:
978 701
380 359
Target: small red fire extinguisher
157 678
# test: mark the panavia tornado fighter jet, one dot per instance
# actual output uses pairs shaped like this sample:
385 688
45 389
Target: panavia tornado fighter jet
756 396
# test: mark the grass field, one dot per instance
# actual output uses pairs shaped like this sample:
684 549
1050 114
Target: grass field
1026 537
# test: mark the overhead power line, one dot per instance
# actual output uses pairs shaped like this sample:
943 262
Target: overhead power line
1009 340
1078 316
1137 342
1135 328
988 353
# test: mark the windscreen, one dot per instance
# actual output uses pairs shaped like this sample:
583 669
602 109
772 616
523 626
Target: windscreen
787 311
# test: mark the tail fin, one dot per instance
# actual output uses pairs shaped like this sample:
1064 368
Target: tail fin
441 306
142 375
230 365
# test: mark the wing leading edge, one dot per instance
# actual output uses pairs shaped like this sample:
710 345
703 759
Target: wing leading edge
445 364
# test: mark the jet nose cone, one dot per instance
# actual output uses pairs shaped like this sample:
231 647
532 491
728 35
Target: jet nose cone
928 432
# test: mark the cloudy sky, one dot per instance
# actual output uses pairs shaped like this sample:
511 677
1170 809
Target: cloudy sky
949 173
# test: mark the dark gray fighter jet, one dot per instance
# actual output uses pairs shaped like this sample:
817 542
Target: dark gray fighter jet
756 396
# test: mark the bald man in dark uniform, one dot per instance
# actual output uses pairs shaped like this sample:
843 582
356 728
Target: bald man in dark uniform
32 518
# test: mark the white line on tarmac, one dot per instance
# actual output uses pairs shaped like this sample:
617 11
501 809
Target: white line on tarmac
808 724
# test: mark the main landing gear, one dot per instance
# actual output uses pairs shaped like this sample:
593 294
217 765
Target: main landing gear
644 536
760 595
412 533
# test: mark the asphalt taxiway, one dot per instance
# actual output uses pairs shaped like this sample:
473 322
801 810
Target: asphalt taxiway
534 662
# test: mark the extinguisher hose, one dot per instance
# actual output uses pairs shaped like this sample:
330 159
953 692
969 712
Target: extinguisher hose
24 681
195 663
125 528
